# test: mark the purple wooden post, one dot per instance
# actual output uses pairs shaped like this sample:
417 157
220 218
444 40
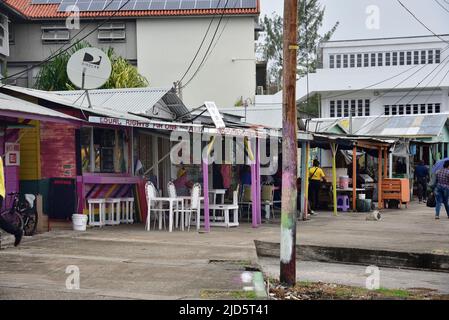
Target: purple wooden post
254 194
259 204
206 195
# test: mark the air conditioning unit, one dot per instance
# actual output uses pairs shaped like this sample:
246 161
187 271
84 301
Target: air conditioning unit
55 33
260 90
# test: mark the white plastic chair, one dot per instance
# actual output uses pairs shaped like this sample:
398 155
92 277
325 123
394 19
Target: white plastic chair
192 207
180 203
151 195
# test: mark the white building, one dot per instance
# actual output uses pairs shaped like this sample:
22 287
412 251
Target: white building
160 37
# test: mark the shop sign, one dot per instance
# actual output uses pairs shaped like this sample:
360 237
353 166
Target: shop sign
12 154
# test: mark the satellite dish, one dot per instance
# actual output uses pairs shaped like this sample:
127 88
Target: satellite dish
89 68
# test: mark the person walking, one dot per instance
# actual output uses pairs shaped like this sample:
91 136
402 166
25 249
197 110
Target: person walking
422 179
316 175
441 189
4 224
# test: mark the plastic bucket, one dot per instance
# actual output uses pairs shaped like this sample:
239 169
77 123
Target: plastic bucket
344 182
362 196
79 222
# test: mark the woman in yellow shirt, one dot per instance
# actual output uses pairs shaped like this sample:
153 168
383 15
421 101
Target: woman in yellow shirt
316 175
4 224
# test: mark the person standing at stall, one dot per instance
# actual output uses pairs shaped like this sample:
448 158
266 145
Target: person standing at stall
440 185
316 176
422 178
4 224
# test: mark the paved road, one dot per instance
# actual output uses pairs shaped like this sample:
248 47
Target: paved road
353 275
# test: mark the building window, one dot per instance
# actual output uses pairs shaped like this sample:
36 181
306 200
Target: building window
360 108
437 108
423 109
380 59
359 61
367 108
366 60
332 61
388 59
352 61
408 109
373 59
416 57
353 109
332 109
395 58
109 150
338 61
394 110
339 109
346 108
430 57
430 108
401 58
11 34
111 32
415 109
437 56
401 109
409 58
387 110
55 34
345 61
423 57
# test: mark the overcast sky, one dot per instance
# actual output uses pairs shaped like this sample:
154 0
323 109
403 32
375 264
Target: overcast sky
393 20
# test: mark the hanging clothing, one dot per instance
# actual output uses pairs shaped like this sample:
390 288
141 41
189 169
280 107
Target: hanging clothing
2 180
226 174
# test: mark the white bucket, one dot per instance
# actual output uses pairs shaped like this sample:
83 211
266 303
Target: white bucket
79 222
362 196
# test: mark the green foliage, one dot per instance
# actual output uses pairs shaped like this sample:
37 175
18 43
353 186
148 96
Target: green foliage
53 76
310 18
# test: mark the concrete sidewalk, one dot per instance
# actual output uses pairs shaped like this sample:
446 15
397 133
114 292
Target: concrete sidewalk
128 262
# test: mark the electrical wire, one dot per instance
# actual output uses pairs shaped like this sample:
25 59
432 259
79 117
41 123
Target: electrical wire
209 47
420 22
201 45
444 8
54 55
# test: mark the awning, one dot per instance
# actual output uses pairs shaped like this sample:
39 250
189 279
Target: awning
17 108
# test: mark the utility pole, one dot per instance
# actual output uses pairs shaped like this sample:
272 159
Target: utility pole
289 146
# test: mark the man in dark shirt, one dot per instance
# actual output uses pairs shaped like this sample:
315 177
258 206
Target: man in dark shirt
422 178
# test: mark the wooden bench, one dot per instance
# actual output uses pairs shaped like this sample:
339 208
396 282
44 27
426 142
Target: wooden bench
396 189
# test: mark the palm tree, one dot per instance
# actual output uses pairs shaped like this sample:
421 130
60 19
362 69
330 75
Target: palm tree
53 76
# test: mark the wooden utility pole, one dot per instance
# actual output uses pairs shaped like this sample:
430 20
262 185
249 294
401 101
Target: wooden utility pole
289 145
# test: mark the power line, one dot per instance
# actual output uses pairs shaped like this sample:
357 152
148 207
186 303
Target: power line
201 45
209 47
444 8
56 54
422 23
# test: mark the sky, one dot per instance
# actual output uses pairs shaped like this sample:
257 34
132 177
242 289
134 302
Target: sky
385 18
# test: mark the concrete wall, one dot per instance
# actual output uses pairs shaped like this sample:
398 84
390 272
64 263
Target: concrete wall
166 47
28 48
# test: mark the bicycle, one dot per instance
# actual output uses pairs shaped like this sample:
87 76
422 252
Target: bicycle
22 214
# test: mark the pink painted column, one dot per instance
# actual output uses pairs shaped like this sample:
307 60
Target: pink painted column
259 188
206 194
254 194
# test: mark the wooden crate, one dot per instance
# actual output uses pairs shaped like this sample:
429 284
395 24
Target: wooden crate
396 189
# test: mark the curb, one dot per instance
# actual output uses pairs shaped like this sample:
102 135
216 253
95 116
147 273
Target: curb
359 256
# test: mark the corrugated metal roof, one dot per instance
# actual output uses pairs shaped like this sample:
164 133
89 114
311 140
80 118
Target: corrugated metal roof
135 101
12 104
59 99
429 125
